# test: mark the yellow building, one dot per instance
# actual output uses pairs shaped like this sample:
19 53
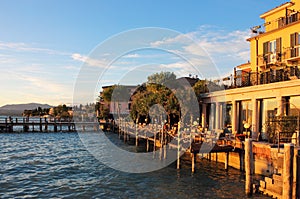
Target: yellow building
275 44
268 85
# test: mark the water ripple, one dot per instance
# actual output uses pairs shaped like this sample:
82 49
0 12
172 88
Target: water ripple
57 165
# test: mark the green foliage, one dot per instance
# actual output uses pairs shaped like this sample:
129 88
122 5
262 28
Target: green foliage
36 112
107 93
61 111
155 91
200 87
161 78
150 95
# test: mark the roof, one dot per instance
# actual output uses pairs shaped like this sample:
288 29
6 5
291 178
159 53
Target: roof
244 66
190 80
276 9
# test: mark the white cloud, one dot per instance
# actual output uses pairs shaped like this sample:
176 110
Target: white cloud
44 84
102 63
135 55
7 59
28 48
225 49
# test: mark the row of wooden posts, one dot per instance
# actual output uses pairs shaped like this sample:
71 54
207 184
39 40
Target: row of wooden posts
8 124
248 159
163 142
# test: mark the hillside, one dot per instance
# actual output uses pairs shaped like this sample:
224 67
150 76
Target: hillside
17 109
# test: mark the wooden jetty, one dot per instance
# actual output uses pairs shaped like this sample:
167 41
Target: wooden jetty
196 143
44 125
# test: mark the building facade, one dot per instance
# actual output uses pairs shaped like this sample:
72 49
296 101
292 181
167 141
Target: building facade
269 84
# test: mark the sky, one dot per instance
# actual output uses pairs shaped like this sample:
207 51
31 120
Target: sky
45 45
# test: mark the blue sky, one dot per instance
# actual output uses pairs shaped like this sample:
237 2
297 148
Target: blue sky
43 44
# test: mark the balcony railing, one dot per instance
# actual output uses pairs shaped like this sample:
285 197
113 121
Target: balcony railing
269 58
271 75
292 53
278 23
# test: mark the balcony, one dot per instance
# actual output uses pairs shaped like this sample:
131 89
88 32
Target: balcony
281 22
271 75
267 60
292 53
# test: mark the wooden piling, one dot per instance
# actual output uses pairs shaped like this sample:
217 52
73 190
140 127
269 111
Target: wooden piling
226 161
147 149
193 162
41 125
165 151
242 160
46 125
124 132
136 135
6 125
248 165
287 172
178 147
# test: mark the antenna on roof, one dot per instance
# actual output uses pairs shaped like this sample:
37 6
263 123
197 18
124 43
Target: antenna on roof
255 28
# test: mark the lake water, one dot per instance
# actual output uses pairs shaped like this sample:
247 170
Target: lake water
57 165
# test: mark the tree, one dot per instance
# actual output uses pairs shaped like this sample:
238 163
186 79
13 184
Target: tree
153 93
200 87
161 78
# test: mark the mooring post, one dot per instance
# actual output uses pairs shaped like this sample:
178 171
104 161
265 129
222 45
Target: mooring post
161 151
226 161
193 162
165 151
46 124
118 124
55 125
248 165
147 149
242 157
178 146
287 189
6 125
136 134
154 141
124 132
41 126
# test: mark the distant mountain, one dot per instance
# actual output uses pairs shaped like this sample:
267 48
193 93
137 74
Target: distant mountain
17 109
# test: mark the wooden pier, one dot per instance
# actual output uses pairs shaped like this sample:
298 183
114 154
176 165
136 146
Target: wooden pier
159 140
10 125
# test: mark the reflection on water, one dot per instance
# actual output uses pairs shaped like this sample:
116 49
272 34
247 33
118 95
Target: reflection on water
47 165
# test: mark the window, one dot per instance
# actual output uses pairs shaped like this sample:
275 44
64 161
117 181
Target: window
295 41
293 17
268 109
272 51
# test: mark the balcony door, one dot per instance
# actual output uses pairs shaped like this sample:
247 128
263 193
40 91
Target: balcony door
273 51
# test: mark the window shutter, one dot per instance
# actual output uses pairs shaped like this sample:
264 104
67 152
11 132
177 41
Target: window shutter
293 40
278 49
265 48
278 45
